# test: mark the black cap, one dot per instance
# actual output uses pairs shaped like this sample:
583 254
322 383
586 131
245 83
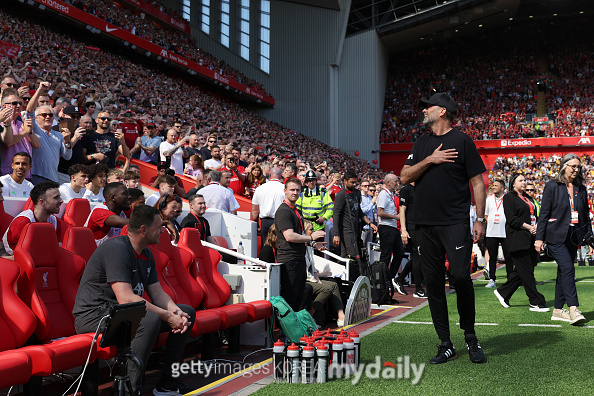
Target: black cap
71 110
442 100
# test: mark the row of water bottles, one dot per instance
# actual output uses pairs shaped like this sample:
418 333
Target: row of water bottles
309 360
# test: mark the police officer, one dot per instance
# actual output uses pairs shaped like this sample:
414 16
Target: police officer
315 203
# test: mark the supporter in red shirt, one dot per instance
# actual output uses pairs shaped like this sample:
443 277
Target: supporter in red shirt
131 128
237 175
47 200
334 186
107 220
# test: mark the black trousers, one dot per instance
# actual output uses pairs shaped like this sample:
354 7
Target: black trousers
522 274
293 283
493 249
142 344
414 264
265 224
391 243
434 243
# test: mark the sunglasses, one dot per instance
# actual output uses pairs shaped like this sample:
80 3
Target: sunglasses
364 185
26 99
106 119
15 103
11 85
372 190
530 189
45 115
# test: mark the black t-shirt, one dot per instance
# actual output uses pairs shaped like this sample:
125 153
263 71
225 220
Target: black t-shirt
442 193
407 198
77 153
205 152
267 254
199 223
114 261
192 151
103 143
284 219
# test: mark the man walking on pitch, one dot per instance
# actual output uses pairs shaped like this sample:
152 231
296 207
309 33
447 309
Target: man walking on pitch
441 164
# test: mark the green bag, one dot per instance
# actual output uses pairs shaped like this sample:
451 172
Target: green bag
294 325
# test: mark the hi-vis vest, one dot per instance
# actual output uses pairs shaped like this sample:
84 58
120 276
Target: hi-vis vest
317 203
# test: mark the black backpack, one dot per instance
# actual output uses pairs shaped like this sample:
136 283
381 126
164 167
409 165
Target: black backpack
381 284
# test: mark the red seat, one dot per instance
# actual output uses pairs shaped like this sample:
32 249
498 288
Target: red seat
5 219
173 268
29 205
80 240
48 285
206 273
77 211
17 323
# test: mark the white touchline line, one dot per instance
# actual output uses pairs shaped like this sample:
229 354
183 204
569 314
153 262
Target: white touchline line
409 322
588 327
482 324
537 325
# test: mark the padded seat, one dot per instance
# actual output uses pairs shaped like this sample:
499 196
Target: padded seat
173 268
77 211
48 285
206 272
80 240
17 323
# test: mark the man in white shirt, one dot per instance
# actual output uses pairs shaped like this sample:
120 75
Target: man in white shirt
389 235
79 178
214 162
173 150
218 195
166 185
495 234
15 184
266 200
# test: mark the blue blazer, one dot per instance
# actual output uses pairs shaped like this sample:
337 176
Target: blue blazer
555 214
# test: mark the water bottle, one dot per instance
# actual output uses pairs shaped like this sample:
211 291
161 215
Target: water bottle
322 352
279 361
293 369
307 365
349 355
357 342
240 251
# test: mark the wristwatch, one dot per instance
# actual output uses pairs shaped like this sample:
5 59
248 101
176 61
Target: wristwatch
481 219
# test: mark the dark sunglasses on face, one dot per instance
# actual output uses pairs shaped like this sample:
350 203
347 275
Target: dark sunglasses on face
11 85
15 103
106 119
45 115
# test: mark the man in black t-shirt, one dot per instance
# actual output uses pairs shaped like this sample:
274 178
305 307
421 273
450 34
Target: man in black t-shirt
121 270
291 245
104 146
409 239
195 218
442 163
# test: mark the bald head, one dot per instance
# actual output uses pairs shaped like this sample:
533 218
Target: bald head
276 173
171 136
390 181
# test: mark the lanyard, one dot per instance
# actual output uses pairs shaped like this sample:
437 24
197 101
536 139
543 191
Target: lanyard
391 195
201 227
274 252
500 202
528 203
294 208
571 200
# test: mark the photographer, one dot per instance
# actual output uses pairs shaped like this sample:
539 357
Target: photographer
563 223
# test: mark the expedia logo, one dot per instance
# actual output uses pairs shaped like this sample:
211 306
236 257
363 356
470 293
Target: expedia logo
506 143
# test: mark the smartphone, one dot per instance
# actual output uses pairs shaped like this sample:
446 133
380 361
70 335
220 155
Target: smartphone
68 123
89 132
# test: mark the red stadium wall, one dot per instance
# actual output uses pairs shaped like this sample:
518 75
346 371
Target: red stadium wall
393 155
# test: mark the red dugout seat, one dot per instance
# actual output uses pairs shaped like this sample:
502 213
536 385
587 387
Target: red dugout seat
80 240
5 219
48 286
173 269
206 273
77 211
17 323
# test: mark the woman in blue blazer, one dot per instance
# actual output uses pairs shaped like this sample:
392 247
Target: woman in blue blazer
563 223
520 228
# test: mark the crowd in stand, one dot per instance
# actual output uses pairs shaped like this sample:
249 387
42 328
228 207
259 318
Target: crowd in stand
137 23
493 104
121 109
539 170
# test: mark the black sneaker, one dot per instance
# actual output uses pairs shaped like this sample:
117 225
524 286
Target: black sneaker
445 353
399 287
475 352
420 294
173 387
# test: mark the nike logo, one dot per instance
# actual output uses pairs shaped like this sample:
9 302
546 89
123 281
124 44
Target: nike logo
459 247
134 270
108 29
